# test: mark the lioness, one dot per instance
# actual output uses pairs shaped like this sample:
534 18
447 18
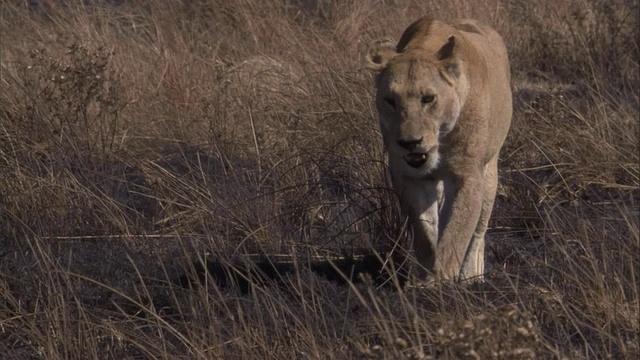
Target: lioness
444 102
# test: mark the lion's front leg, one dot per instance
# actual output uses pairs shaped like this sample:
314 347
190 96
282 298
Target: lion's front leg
420 202
458 221
473 266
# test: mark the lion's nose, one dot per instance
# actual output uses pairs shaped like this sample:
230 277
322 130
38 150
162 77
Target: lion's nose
409 144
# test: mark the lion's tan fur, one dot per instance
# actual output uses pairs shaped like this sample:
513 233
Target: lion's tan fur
444 102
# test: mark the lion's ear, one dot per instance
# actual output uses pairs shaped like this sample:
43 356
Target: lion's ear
447 54
446 51
380 52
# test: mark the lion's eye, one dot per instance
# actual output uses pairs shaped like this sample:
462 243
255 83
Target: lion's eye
427 99
390 102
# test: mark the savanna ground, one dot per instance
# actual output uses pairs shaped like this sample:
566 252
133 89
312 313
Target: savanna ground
138 137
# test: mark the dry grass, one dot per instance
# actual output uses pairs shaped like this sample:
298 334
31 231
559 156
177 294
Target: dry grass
137 138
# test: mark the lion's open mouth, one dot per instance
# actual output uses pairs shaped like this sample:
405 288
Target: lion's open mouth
415 160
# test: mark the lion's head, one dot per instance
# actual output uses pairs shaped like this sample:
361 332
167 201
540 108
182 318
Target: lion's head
421 89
